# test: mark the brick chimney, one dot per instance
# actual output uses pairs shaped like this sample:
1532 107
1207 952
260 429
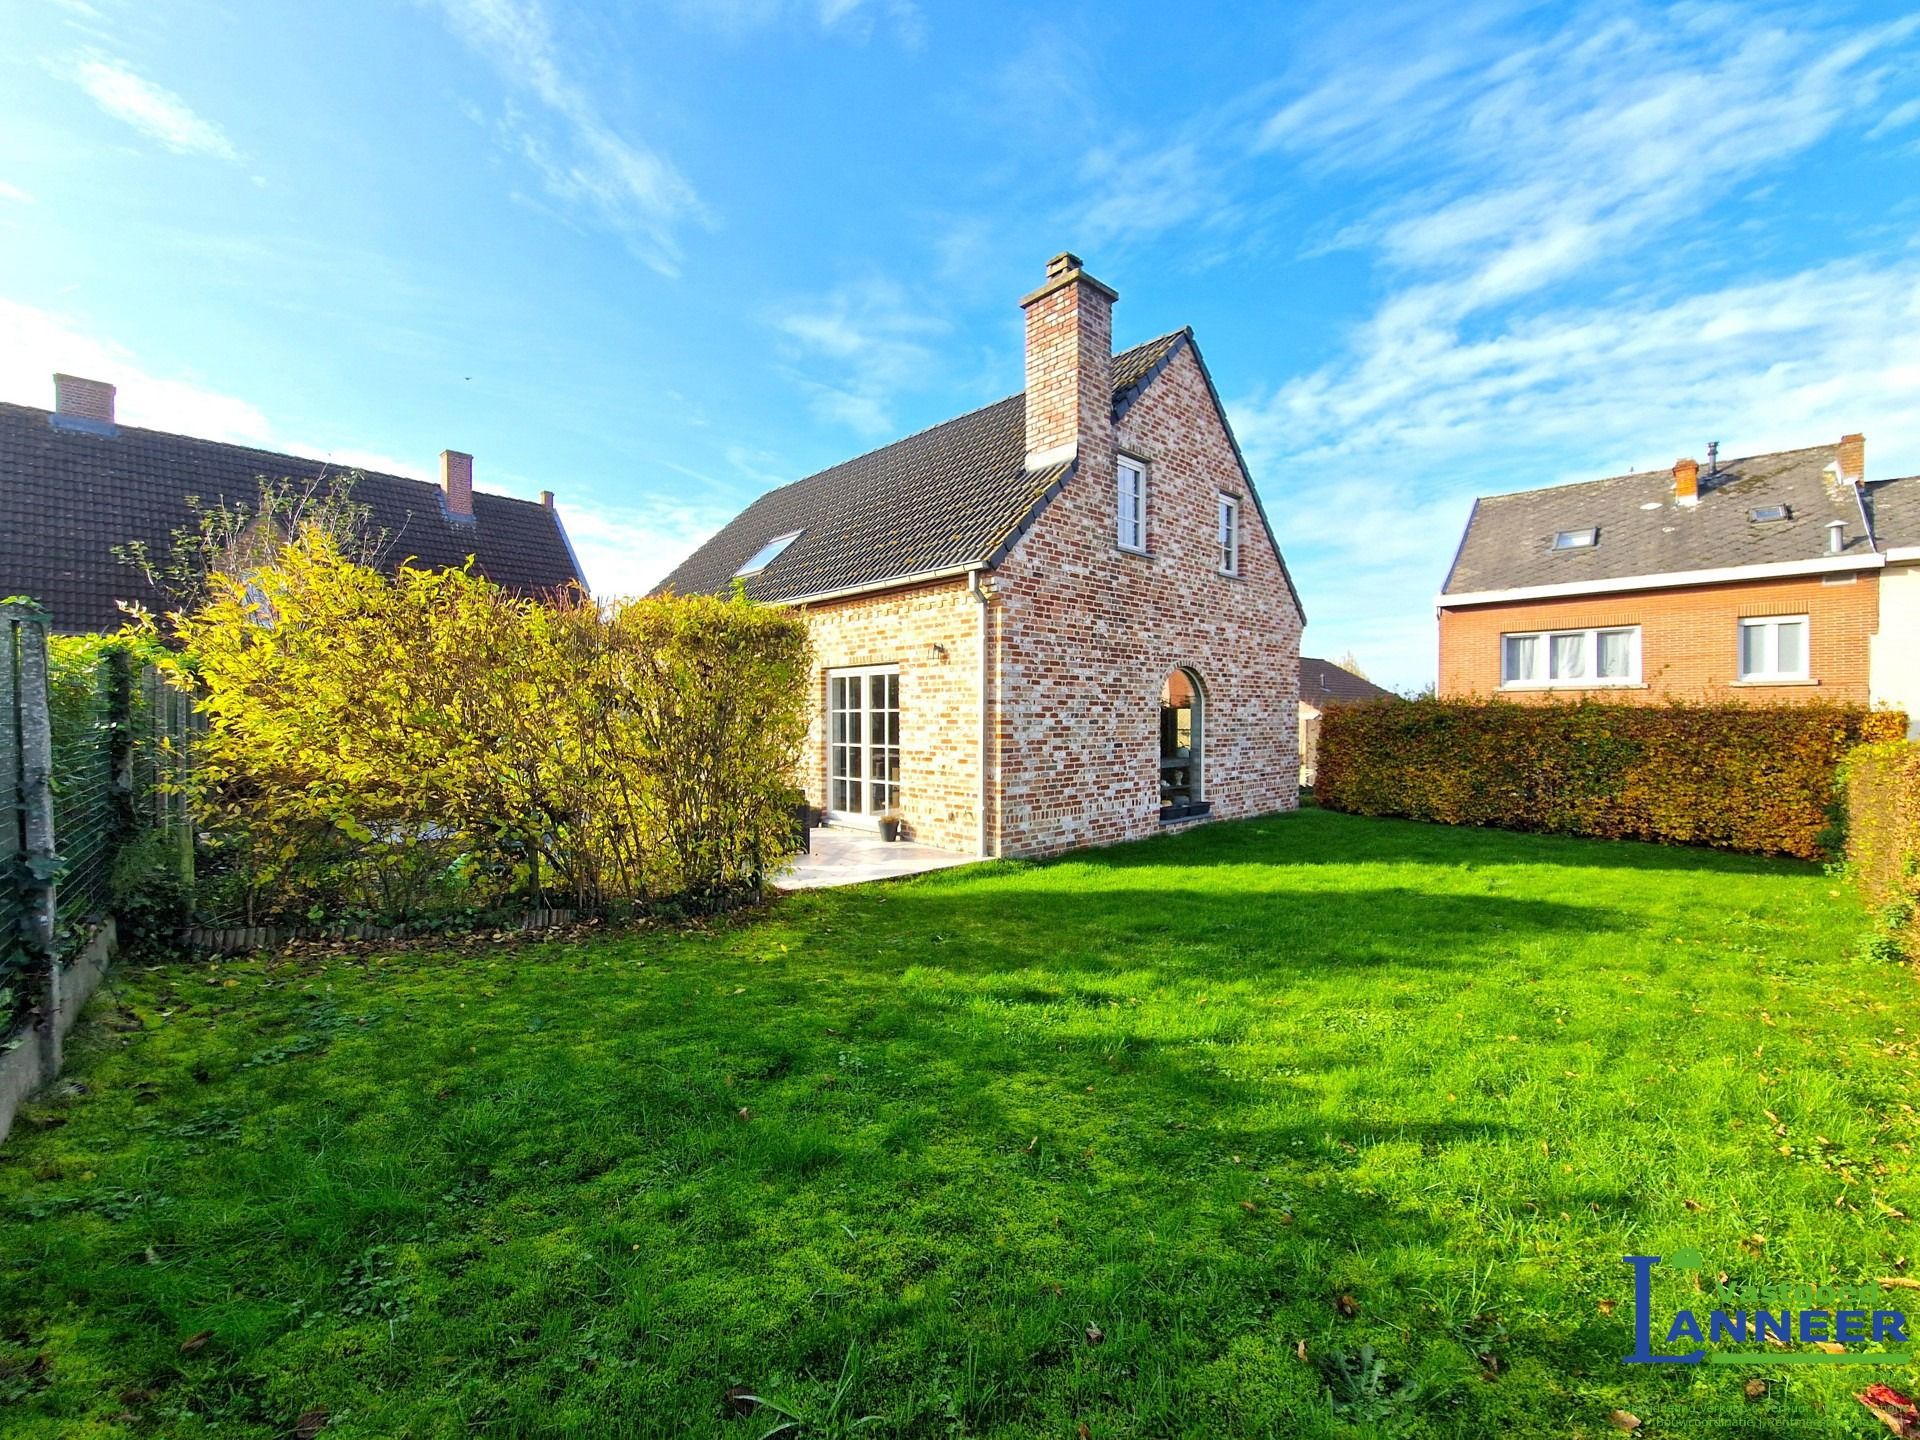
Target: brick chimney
1686 481
1069 367
1853 458
456 483
88 401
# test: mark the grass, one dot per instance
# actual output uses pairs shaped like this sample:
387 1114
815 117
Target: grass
1308 1126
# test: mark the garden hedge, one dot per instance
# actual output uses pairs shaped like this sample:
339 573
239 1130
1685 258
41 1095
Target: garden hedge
1883 835
1736 777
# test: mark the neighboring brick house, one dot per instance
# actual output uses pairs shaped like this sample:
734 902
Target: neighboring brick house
1770 579
75 485
1060 620
1323 683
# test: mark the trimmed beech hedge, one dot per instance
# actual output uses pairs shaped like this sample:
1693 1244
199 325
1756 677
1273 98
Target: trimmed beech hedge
1883 835
1736 777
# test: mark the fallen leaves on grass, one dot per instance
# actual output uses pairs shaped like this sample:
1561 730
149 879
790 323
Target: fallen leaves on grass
1607 1307
1346 1305
1756 1389
194 1342
1623 1420
1095 1335
1892 1409
310 1424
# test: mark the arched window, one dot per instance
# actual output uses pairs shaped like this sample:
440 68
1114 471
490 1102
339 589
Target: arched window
1182 726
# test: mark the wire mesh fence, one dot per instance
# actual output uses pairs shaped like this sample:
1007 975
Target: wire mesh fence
15 956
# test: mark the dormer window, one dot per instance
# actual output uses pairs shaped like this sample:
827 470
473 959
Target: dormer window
1576 539
767 554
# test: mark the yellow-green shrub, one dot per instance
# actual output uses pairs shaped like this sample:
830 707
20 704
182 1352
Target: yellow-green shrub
403 745
1737 777
1883 835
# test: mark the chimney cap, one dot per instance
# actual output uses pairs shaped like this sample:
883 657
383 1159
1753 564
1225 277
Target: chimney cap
1065 269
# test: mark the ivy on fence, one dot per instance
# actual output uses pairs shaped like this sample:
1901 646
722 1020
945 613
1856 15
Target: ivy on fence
1883 837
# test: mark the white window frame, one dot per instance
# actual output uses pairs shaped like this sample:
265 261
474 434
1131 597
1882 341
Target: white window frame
1773 675
1544 679
1130 530
1229 534
859 773
767 554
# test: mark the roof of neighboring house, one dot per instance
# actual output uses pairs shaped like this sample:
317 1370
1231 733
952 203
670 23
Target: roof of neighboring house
72 495
1324 683
1894 506
1643 530
949 498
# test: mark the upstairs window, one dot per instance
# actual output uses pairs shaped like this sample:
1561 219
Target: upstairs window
1774 647
1574 658
1229 535
1132 505
1576 539
767 554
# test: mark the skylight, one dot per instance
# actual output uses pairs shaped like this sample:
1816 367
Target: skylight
767 554
1576 539
1770 512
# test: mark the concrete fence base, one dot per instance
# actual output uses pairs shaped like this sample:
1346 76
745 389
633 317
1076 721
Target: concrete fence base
35 1061
238 939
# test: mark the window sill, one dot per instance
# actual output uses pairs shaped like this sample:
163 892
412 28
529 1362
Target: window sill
1571 685
1140 554
1185 810
1765 683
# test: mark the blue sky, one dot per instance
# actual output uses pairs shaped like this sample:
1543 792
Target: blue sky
659 258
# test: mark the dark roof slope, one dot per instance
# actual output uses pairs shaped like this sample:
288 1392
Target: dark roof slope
951 496
1324 683
1895 508
73 495
1508 544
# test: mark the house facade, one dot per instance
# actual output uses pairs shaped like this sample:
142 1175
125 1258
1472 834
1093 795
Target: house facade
1061 620
1769 579
81 488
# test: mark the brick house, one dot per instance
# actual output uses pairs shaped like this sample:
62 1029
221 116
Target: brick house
1770 579
78 485
1060 620
1324 684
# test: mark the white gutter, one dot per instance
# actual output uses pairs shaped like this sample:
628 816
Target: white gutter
986 674
1671 580
1902 554
899 582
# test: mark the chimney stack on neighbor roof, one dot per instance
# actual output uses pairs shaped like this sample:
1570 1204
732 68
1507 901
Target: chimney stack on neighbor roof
1686 481
456 483
546 499
75 398
1069 367
1853 458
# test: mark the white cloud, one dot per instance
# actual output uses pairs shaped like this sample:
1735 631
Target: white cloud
858 348
581 157
156 113
14 194
627 550
857 20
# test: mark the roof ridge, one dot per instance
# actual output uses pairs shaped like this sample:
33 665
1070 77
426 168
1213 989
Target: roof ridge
955 419
120 429
1648 474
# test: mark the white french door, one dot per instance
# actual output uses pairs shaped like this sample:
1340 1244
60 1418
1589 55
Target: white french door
863 742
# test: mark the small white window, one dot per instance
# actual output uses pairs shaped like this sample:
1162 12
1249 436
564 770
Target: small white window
1229 535
1774 647
1576 539
767 553
1573 658
1132 505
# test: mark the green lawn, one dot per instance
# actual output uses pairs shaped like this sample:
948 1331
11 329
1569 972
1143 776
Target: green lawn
1150 1142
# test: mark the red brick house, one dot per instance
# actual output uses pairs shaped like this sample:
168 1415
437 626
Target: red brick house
1060 620
80 486
1773 578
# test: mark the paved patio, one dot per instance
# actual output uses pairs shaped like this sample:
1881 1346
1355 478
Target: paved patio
844 856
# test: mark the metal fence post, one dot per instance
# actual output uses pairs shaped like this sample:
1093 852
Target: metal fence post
41 859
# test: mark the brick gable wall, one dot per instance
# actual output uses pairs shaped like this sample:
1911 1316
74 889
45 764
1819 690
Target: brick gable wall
1688 639
1084 635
